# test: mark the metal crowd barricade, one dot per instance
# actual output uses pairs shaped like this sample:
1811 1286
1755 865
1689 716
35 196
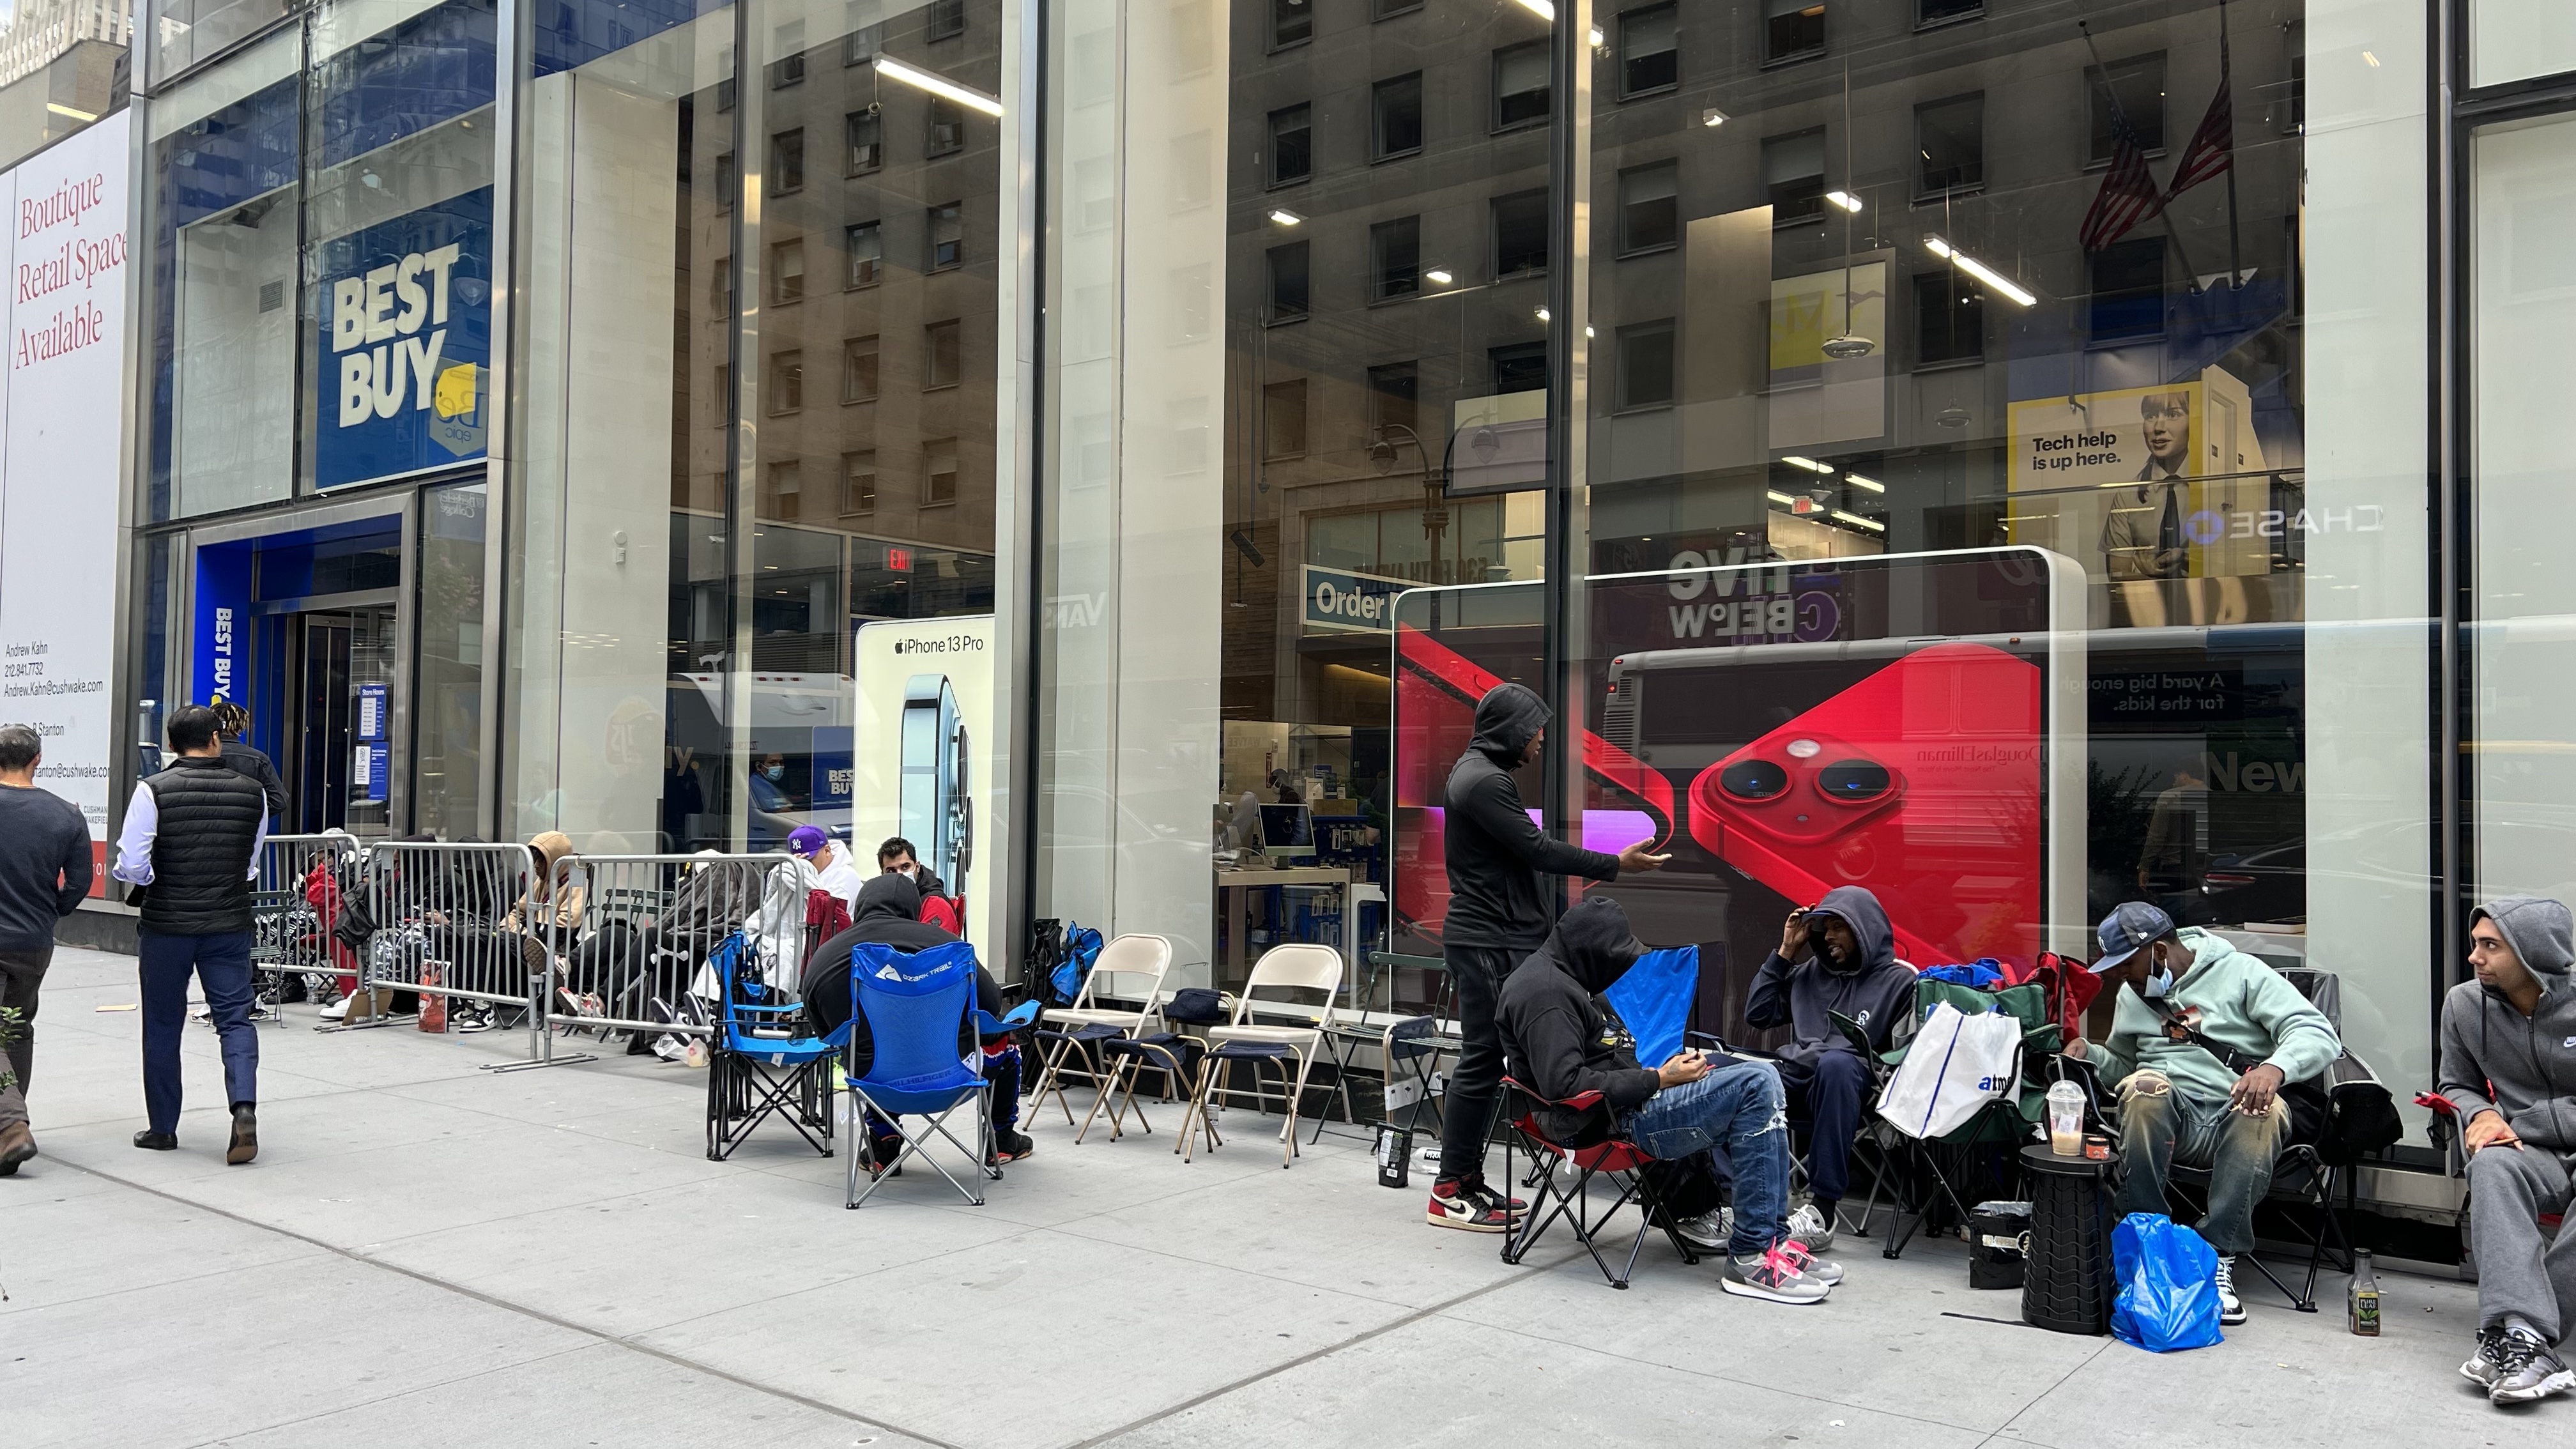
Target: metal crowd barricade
633 957
289 934
460 923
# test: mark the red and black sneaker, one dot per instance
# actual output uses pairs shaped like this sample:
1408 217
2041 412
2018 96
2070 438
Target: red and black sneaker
1466 1207
1485 1194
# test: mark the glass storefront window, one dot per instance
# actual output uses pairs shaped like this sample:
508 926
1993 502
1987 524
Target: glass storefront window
187 32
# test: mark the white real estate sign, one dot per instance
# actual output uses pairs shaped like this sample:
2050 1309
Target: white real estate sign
61 471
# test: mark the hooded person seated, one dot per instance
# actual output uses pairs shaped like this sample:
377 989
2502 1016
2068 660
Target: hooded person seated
1562 1040
888 915
1837 958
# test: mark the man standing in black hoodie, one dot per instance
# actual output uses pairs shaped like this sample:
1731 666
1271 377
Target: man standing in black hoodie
1565 1040
45 870
1498 913
1836 958
889 914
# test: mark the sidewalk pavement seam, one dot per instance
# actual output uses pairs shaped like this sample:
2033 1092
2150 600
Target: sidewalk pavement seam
1300 1361
521 1309
2008 1426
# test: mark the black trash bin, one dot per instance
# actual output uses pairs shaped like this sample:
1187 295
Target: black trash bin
2067 1284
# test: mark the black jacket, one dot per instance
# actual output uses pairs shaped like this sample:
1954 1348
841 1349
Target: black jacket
1495 852
1560 1039
45 865
248 760
888 915
1877 991
208 819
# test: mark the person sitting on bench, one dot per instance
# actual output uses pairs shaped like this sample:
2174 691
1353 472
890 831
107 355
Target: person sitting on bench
2509 1071
1836 958
1562 1040
2180 1101
889 908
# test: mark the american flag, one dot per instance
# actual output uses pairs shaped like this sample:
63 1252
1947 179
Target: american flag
2213 147
2129 193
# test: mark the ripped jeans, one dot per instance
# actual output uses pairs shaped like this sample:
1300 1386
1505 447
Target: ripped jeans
1739 1106
2160 1126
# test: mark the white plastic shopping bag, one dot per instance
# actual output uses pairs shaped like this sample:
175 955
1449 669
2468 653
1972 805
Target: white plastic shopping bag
1956 1065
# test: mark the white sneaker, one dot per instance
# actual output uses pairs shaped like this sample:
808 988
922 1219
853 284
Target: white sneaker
2231 1309
1710 1230
1811 1228
337 1011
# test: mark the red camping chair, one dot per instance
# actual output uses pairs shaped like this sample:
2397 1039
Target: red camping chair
1601 1150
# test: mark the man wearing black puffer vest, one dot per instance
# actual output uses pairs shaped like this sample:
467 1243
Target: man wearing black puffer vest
1498 913
191 848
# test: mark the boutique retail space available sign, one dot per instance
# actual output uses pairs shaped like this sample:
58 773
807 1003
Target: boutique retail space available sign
406 343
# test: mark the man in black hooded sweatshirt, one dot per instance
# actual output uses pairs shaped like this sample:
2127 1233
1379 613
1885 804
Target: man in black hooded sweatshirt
1837 957
1565 1039
1498 913
889 915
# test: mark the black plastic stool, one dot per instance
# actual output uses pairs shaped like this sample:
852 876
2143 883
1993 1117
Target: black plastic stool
2067 1286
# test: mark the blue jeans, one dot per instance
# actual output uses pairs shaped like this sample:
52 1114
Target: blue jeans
2159 1126
1741 1107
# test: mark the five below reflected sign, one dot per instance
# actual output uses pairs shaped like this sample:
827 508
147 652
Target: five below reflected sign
406 337
1339 599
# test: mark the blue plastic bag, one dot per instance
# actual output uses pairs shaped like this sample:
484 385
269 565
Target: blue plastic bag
2168 1285
1653 996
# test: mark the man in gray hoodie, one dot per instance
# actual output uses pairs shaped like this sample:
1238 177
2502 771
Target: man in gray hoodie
2509 1070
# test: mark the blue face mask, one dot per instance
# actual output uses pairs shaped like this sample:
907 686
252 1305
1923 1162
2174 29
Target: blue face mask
2159 982
775 772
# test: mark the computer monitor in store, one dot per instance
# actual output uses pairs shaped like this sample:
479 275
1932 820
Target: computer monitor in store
1287 832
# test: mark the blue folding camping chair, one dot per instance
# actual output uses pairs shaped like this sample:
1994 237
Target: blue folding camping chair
762 1062
917 1005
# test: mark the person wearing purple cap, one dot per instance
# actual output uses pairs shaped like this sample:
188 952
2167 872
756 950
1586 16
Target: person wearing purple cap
2200 1045
831 863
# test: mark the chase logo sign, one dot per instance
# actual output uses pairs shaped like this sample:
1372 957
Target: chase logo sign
1337 599
406 326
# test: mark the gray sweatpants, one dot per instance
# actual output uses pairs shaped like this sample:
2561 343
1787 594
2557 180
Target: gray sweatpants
2520 1272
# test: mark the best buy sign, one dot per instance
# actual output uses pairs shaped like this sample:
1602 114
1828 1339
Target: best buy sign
406 326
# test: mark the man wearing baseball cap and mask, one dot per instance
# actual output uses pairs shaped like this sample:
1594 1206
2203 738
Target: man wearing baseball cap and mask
2179 1100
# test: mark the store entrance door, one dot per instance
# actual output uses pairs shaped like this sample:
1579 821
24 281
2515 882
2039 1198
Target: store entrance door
338 764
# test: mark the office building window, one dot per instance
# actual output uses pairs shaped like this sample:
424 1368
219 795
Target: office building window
1292 22
1395 117
722 395
859 370
1950 142
787 272
866 245
860 46
1520 84
1649 215
864 131
2129 289
1792 29
2131 90
788 44
1520 234
1395 258
1650 54
1395 398
942 364
859 483
1283 419
787 162
725 183
720 288
1949 317
1389 9
1288 294
1645 365
1292 149
783 482
947 128
1936 12
1793 177
947 236
786 385
1520 367
947 20
938 472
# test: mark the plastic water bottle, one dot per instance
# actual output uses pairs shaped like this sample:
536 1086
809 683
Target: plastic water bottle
2362 1305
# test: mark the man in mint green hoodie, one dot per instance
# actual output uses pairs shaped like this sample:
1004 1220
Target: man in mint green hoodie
2182 1102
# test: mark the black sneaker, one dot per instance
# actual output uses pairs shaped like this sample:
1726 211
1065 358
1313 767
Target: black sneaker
1010 1146
1462 1206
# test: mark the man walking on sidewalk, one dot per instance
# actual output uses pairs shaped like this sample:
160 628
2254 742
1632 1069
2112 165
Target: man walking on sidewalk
44 872
1498 913
191 842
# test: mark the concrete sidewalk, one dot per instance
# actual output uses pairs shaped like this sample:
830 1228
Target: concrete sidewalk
428 1254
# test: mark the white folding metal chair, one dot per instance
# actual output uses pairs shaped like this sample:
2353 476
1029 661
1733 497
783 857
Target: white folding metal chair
1296 967
1142 961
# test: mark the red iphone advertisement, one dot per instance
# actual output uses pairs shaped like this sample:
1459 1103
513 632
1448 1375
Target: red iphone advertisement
1912 724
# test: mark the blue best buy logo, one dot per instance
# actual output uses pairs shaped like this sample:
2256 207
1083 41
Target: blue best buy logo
389 330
